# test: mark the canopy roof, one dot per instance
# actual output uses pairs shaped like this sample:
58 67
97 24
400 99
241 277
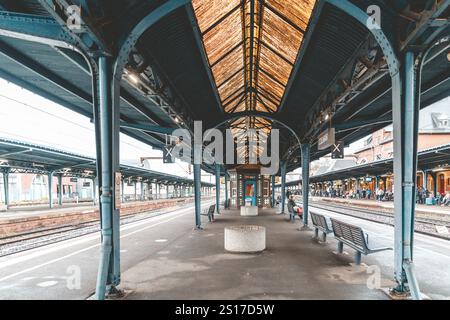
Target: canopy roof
248 63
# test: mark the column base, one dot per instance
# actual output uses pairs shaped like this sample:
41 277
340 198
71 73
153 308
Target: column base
396 295
304 228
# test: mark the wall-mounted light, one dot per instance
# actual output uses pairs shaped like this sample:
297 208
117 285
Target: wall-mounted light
448 56
134 78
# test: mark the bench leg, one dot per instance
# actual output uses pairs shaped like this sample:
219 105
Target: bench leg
358 258
316 233
324 237
340 247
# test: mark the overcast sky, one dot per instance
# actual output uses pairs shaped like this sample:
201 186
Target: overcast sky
28 117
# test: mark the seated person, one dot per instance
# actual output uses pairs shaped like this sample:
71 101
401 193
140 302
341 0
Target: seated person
293 208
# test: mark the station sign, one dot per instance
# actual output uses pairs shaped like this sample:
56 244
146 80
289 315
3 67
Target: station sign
73 179
86 184
326 139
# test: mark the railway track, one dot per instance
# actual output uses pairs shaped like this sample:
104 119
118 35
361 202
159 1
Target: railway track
422 225
31 240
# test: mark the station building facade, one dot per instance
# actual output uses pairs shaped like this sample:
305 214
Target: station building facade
434 131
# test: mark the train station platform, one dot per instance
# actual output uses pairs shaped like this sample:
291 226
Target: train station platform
195 265
387 206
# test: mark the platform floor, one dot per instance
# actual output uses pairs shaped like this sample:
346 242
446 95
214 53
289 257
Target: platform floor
195 266
165 258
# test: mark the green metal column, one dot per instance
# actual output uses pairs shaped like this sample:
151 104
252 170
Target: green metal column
273 190
60 191
108 124
122 190
306 151
434 176
50 190
226 189
6 186
405 124
135 190
283 186
94 191
217 188
142 190
197 191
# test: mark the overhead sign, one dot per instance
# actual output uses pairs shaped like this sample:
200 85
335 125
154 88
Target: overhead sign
73 179
86 184
326 139
168 157
337 150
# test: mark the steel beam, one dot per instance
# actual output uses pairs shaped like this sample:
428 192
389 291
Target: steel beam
147 128
34 28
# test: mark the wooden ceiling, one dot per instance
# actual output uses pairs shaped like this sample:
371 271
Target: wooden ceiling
252 46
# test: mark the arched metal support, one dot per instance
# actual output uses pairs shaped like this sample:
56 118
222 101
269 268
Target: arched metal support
404 111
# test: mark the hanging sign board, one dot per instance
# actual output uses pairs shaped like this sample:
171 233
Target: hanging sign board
326 139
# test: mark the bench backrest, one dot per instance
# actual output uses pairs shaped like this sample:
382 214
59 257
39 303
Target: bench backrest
319 220
350 233
212 208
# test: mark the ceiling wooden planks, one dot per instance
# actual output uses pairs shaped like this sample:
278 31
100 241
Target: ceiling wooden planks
252 46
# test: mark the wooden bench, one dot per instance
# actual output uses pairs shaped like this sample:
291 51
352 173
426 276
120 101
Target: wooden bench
210 213
320 223
353 237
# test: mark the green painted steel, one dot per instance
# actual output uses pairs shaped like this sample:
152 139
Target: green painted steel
217 188
283 186
6 186
306 155
197 191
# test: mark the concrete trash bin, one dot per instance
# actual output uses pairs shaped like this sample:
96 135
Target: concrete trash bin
245 239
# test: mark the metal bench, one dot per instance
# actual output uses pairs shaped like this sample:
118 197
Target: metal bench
210 213
355 238
320 223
